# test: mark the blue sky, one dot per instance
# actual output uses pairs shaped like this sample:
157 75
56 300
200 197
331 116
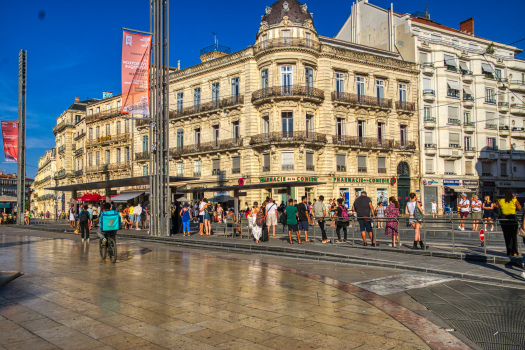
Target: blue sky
74 47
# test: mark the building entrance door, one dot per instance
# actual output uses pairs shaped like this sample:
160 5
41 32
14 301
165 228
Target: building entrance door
403 185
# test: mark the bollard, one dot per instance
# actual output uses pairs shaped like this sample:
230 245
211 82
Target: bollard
453 229
423 226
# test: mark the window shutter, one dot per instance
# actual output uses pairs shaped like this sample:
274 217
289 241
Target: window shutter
468 167
503 168
381 162
486 168
216 164
287 158
428 137
341 159
309 158
449 166
454 138
452 112
236 162
361 161
491 116
423 56
429 165
426 84
266 159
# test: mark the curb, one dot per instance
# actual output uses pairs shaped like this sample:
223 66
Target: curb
14 274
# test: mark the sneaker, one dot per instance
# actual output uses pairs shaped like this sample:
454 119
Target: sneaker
492 228
138 229
459 228
82 240
523 275
88 240
462 229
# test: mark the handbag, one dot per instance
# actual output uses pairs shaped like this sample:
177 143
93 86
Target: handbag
77 230
521 231
418 215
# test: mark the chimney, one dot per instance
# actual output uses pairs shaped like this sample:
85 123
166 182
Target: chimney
77 99
467 26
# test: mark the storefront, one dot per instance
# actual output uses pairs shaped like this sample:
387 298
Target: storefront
487 189
454 189
378 189
515 186
430 193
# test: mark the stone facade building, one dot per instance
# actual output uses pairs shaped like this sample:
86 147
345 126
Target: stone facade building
45 200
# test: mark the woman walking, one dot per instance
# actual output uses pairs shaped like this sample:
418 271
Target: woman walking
71 216
392 213
488 209
256 215
380 213
186 219
411 209
509 223
342 222
476 212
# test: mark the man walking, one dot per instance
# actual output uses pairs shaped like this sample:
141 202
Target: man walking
302 210
84 221
271 216
365 210
464 210
320 213
291 221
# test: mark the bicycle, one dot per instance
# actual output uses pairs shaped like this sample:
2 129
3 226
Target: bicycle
109 249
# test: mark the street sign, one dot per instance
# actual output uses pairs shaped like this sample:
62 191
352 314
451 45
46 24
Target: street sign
242 194
241 181
482 235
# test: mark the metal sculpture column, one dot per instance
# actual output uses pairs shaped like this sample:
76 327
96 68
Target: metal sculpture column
21 182
160 196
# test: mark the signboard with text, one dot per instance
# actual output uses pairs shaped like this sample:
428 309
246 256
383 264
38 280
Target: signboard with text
451 182
10 138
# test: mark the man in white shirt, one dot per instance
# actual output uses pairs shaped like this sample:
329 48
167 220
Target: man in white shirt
271 216
137 211
476 212
464 205
202 207
434 209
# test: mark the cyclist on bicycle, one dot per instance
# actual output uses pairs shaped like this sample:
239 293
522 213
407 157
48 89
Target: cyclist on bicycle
109 223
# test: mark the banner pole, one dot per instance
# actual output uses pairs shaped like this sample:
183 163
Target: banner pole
21 183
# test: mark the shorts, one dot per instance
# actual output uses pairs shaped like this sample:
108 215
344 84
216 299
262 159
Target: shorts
293 228
463 214
434 211
365 225
137 218
271 220
131 217
207 216
201 219
303 226
476 215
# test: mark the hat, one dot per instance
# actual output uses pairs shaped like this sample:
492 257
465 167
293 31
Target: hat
463 194
186 205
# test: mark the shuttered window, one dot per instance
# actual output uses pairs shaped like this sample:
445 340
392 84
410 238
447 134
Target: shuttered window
287 158
428 137
266 159
309 158
454 138
216 164
381 162
449 166
452 112
236 162
341 160
491 118
468 167
361 161
486 168
429 165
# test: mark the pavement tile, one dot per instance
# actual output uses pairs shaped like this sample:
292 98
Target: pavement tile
191 317
31 344
7 325
211 337
16 335
118 320
24 316
287 343
124 341
39 324
241 344
172 340
140 329
334 321
219 325
258 323
251 334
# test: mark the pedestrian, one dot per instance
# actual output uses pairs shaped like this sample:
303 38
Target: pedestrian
380 213
291 220
219 212
84 220
208 217
271 216
415 218
392 213
202 208
185 215
365 212
310 213
509 222
257 219
320 214
331 206
71 216
476 212
137 212
342 220
434 209
302 209
27 220
488 209
464 209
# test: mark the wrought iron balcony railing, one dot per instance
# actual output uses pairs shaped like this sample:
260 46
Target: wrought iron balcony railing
236 170
363 100
429 119
201 108
103 114
381 170
289 91
207 146
119 166
61 148
287 167
310 167
341 168
80 135
288 136
197 174
430 145
79 173
266 168
372 142
79 152
405 106
454 121
142 156
361 169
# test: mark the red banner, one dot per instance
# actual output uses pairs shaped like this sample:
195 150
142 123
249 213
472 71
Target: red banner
135 73
10 137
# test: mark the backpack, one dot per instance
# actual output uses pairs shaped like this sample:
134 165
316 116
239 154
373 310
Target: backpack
259 221
344 214
109 221
84 216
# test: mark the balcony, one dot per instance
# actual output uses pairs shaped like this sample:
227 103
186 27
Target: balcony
227 102
284 137
61 174
197 173
211 146
310 167
516 108
451 153
125 137
427 68
236 170
62 125
488 75
504 154
452 121
491 126
454 145
489 152
284 44
142 156
429 122
503 106
266 168
517 132
490 100
468 101
470 152
119 166
97 168
429 95
404 106
79 173
486 174
341 169
453 93
361 169
502 82
469 127
142 123
287 167
104 114
504 130
451 68
450 173
517 85
61 149
288 92
466 75
79 136
430 149
79 152
372 142
361 100
381 170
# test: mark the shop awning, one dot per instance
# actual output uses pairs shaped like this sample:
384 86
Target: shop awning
461 189
7 199
126 196
454 85
449 60
487 67
467 90
90 197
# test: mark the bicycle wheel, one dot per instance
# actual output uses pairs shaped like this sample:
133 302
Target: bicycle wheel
112 250
102 249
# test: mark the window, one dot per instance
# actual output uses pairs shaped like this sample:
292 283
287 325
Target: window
498 74
380 89
126 126
265 124
427 86
91 111
308 38
491 120
108 107
286 80
491 143
450 63
487 69
216 166
468 167
287 124
118 158
98 110
197 168
287 160
361 164
381 165
77 118
98 132
145 143
503 171
215 133
427 113
180 100
435 37
466 118
423 57
264 79
108 156
144 171
197 97
118 104
180 169
108 132
380 130
90 159
339 82
197 136
91 133
266 162
429 140
215 91
236 165
340 129
309 124
309 77
126 154
486 169
180 138
403 134
235 86
360 86
502 121
118 128
503 143
310 161
341 162
453 115
489 95
264 41
286 37
453 88
97 158
467 143
402 92
453 140
450 167
236 133
360 128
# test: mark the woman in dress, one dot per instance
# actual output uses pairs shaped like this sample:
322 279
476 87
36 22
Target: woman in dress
410 209
219 212
392 213
380 213
71 216
488 208
256 230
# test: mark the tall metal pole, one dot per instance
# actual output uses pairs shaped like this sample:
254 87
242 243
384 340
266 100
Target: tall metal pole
159 110
21 183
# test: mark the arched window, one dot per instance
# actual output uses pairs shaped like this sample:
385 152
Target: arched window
403 169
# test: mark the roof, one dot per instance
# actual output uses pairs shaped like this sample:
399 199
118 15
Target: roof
80 105
130 181
13 176
296 12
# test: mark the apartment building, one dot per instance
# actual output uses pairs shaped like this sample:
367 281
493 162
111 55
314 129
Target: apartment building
470 97
294 106
45 200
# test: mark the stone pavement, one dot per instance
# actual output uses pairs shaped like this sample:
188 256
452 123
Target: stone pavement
156 298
